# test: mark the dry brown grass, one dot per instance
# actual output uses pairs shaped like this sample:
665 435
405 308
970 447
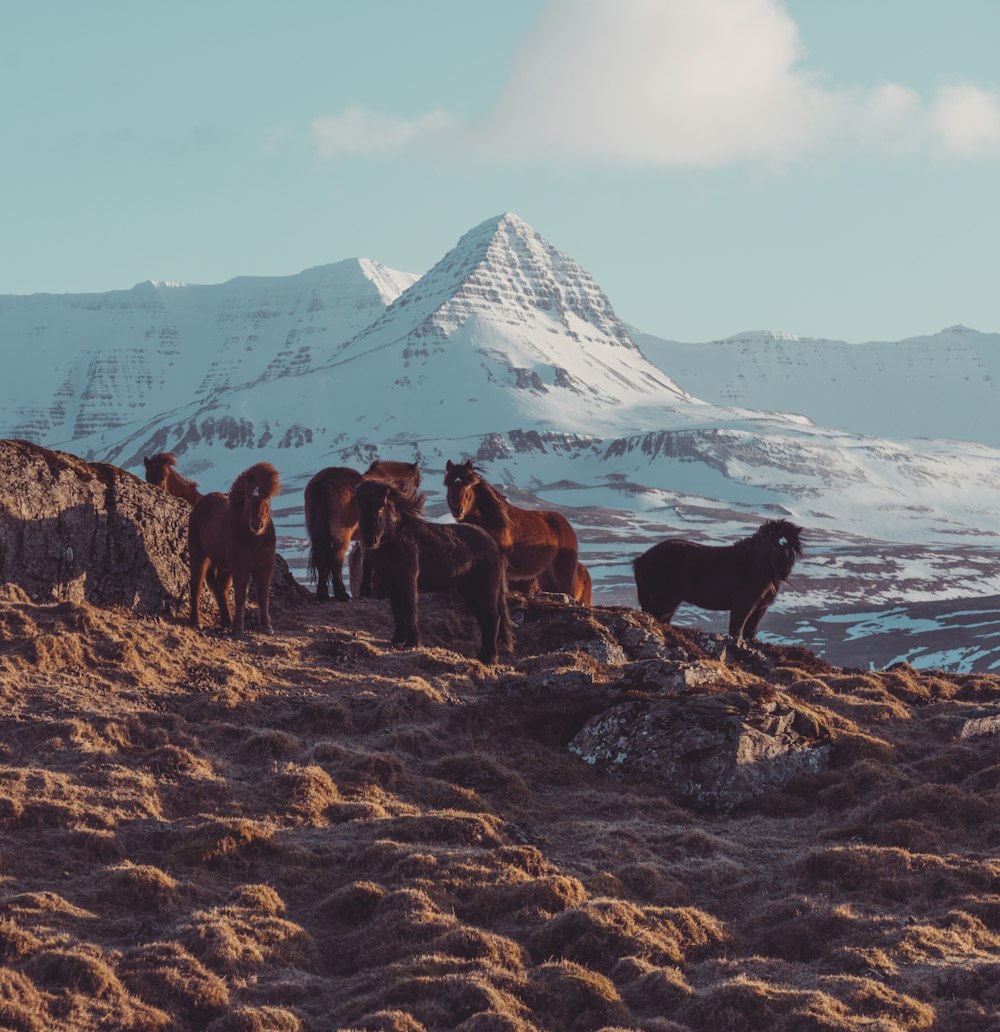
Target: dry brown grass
318 831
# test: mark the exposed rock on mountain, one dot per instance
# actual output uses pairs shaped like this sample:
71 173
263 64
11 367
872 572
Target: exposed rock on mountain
109 359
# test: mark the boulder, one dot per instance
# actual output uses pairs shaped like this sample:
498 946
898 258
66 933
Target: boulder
80 531
715 751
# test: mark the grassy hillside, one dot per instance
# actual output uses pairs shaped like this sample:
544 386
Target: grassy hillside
318 831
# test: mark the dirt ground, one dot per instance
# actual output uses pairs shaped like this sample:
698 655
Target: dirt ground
320 831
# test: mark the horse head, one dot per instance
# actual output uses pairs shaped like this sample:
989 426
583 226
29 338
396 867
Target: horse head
158 469
777 545
377 511
252 491
404 476
460 479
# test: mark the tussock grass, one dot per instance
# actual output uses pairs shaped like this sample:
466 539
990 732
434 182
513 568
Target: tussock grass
23 1008
167 975
319 831
257 1019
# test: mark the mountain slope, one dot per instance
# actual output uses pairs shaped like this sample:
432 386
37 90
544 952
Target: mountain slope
86 363
946 385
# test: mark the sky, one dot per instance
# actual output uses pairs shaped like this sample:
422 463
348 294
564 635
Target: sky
816 168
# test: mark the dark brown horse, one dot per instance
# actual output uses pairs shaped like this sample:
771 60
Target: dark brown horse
582 587
537 542
408 555
160 471
332 519
234 536
743 578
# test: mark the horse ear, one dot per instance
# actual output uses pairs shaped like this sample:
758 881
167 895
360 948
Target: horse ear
469 464
449 466
146 461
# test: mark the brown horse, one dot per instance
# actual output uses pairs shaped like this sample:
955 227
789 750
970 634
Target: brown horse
332 518
358 569
234 536
743 578
582 587
537 543
408 555
160 471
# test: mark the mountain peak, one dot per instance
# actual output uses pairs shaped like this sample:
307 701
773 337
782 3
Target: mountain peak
507 315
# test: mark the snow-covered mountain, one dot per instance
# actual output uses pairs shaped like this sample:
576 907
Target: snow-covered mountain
80 364
508 352
946 385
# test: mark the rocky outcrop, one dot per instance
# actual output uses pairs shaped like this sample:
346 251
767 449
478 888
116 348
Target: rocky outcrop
79 531
716 751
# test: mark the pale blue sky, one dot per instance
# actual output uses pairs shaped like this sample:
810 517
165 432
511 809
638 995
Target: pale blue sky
827 169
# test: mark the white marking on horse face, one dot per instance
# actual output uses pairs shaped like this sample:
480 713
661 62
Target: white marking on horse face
782 541
255 493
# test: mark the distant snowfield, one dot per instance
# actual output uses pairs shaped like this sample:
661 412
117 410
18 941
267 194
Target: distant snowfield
508 352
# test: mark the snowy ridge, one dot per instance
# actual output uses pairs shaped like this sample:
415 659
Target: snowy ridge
945 385
107 358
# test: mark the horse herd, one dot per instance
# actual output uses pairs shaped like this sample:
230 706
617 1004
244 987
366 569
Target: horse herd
493 547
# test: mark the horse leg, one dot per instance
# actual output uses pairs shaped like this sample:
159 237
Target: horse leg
753 622
199 567
241 582
219 581
338 550
410 613
403 602
367 588
757 614
262 587
322 574
482 598
563 572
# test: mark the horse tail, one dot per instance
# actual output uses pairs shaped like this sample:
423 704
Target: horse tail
505 638
320 543
647 602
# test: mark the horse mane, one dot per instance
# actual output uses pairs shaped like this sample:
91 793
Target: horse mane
409 506
493 508
774 547
262 476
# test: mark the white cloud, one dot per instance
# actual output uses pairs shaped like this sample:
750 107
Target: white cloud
670 83
357 131
966 120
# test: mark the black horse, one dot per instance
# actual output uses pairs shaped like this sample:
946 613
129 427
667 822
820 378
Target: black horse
408 554
743 578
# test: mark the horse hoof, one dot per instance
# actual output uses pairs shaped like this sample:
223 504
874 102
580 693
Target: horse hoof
343 598
268 630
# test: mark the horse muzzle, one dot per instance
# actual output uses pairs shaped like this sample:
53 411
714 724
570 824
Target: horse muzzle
457 512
